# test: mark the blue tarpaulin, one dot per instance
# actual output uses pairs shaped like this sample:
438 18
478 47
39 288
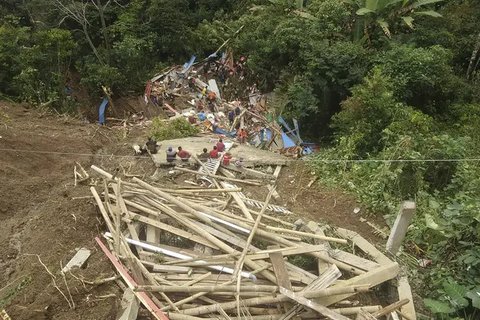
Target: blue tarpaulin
101 111
287 141
189 64
221 131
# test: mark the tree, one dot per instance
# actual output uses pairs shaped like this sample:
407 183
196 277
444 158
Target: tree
475 59
383 13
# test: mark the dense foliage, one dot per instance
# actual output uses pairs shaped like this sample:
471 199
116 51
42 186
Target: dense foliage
392 83
165 130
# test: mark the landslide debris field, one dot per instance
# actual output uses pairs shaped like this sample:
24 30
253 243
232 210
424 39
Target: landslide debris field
45 218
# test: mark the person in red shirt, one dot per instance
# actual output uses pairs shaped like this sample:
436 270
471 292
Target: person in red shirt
242 135
220 145
184 155
214 153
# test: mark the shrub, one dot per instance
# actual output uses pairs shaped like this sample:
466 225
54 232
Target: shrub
174 129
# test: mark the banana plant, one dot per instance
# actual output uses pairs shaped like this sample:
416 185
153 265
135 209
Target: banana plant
383 12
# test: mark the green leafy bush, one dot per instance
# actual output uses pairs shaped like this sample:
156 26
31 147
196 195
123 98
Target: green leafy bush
177 128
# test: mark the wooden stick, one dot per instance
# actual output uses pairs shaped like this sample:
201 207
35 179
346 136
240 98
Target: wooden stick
336 290
189 224
307 234
249 182
312 305
241 260
392 307
201 288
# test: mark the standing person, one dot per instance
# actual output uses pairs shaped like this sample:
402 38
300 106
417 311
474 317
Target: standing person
220 145
151 145
237 111
171 155
183 154
242 135
231 116
214 153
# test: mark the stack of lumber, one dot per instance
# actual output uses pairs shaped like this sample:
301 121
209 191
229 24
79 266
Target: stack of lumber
201 254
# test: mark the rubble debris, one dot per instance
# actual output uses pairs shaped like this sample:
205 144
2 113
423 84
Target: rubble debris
78 260
213 95
218 259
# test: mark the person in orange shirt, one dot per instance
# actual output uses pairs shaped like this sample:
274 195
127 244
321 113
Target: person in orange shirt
242 135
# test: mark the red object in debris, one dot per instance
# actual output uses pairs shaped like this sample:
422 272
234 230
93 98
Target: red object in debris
226 159
142 296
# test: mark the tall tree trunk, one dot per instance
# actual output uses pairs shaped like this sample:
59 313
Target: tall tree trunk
90 42
101 13
473 60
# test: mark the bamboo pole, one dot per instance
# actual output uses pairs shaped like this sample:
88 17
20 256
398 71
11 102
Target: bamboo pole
202 288
307 234
192 226
249 182
336 290
242 258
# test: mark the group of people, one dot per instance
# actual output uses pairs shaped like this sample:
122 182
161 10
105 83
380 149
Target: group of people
184 155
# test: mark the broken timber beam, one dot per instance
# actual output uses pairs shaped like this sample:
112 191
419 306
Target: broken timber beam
364 245
405 292
399 229
372 278
324 311
249 182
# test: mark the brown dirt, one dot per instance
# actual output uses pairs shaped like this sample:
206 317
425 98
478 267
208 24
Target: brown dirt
39 217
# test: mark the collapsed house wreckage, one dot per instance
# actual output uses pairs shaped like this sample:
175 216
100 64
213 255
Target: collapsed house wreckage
211 253
212 94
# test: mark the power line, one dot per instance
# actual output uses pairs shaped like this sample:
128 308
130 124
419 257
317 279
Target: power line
74 154
396 160
317 159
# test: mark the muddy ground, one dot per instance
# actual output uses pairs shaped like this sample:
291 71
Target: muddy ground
44 218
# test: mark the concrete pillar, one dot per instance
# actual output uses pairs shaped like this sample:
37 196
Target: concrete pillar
399 230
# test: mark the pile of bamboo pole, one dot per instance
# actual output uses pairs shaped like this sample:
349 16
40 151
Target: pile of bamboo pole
201 254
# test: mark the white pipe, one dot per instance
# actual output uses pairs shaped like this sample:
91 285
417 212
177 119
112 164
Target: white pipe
180 256
231 225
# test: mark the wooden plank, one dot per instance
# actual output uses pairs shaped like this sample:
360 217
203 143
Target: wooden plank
372 278
249 182
142 296
280 270
353 260
364 315
275 194
238 200
129 306
170 269
399 229
203 288
169 228
325 247
390 308
405 292
364 245
322 282
287 251
312 305
78 260
276 173
249 172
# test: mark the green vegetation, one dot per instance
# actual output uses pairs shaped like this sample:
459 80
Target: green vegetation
174 129
388 80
